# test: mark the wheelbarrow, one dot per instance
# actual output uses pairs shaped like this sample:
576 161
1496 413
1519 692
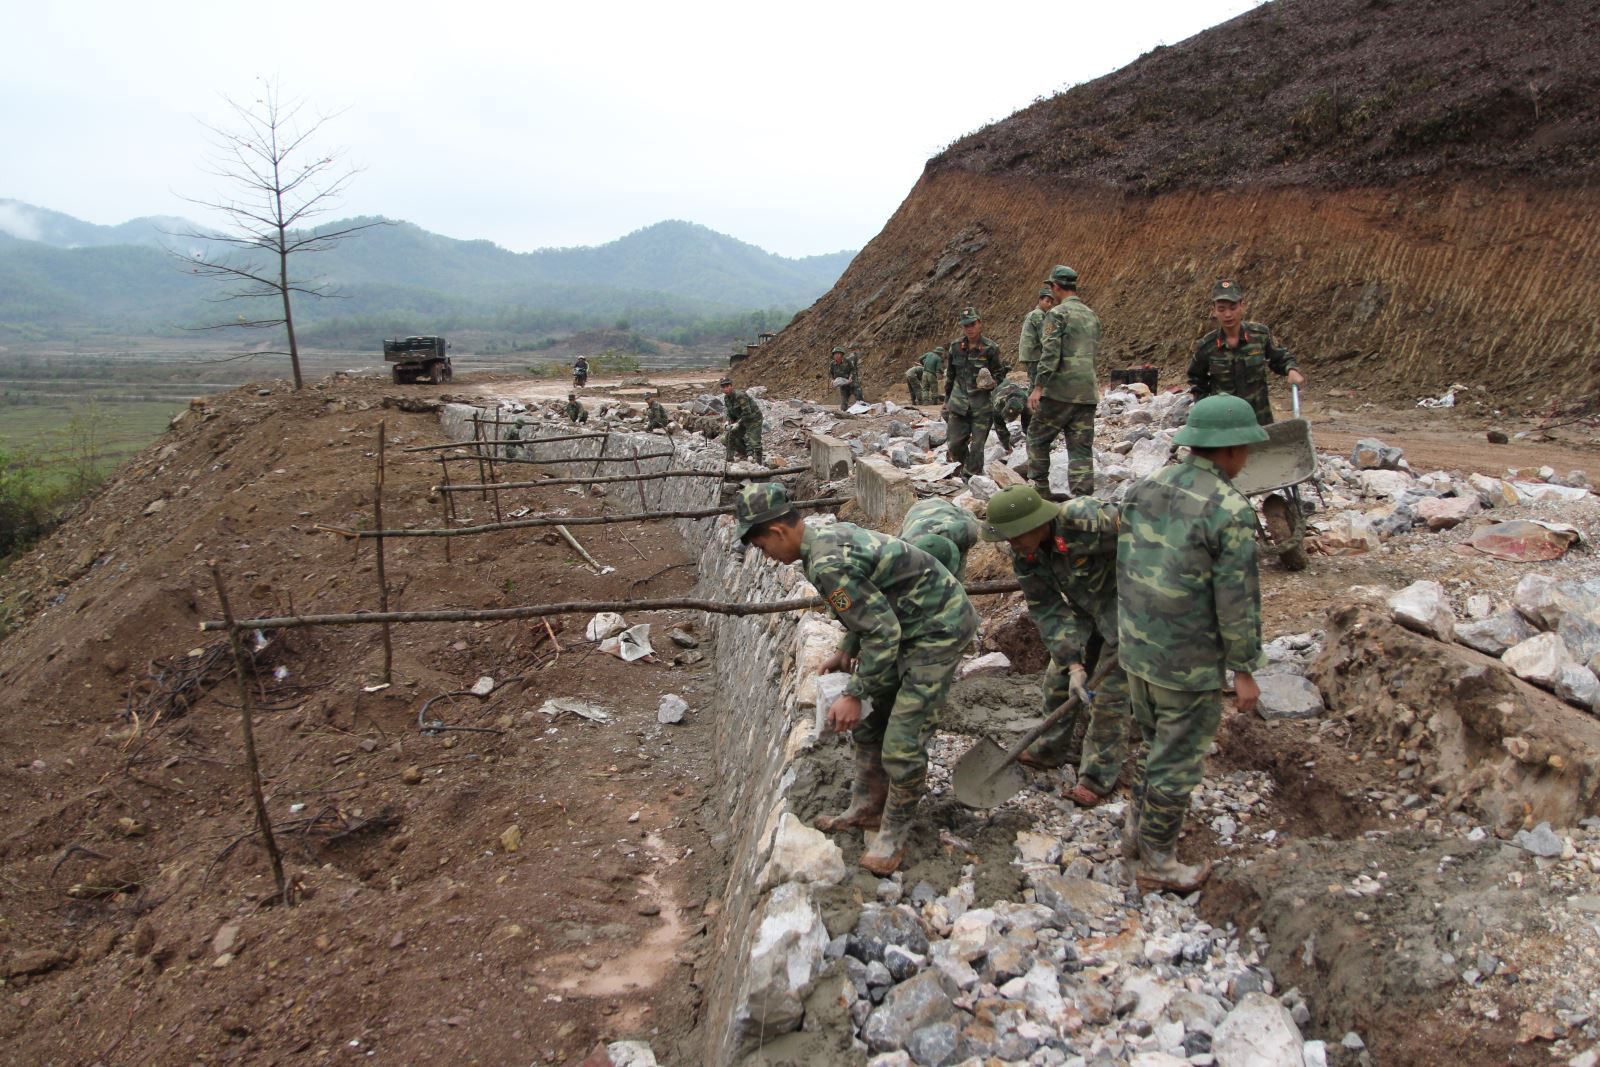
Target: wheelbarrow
1276 470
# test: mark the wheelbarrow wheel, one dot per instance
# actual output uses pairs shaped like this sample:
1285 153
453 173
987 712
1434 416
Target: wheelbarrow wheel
1285 533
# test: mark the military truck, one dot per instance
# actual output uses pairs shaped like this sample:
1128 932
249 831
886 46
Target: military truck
415 358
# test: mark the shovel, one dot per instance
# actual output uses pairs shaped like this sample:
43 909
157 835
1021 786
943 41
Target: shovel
988 775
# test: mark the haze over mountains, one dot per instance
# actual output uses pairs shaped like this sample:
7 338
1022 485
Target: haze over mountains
57 272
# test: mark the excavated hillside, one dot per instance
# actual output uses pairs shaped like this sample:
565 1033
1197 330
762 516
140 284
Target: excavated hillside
1405 190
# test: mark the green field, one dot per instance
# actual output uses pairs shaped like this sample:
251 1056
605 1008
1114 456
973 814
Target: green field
61 434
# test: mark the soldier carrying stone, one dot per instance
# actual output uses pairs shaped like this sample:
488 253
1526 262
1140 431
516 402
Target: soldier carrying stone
974 371
575 411
914 383
932 367
843 369
1189 608
743 435
943 530
907 621
1235 357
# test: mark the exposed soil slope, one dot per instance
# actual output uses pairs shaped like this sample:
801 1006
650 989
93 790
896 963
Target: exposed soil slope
1396 200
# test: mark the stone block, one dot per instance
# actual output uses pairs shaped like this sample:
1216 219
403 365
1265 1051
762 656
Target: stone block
802 854
1288 696
883 493
1423 607
1492 636
1537 599
782 965
1540 660
1259 1032
1492 492
917 1002
830 458
1385 483
1372 454
1445 512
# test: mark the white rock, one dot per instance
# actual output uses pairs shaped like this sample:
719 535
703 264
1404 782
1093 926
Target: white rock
783 963
1351 530
1152 995
672 709
1578 685
1391 485
482 687
1446 512
1546 491
1287 696
1540 659
816 637
604 625
802 854
1041 992
1492 636
1492 492
1157 1059
982 486
631 1054
1037 848
975 934
1538 600
1150 455
1259 1032
1423 606
1480 606
1315 1053
989 663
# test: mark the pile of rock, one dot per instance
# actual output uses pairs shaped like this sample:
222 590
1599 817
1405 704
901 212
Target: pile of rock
1549 635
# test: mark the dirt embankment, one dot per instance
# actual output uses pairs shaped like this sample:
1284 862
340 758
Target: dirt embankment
1408 201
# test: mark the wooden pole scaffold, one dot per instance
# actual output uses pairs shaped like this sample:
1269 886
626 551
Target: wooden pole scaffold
575 607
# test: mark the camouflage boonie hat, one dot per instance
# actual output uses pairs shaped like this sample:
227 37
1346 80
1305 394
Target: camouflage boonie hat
756 504
940 548
1064 276
726 381
969 316
1015 510
1218 421
1226 290
1047 293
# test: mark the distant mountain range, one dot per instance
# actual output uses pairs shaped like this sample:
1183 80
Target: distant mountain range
58 271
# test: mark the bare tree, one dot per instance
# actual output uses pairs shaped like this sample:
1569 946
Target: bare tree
280 185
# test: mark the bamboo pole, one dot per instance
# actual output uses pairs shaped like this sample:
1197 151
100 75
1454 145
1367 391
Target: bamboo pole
383 584
494 476
447 504
651 477
580 520
251 762
576 607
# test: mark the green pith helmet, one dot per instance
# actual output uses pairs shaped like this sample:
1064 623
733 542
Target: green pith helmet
1226 290
838 350
758 503
1219 422
1047 293
1015 510
726 381
1064 276
940 548
969 316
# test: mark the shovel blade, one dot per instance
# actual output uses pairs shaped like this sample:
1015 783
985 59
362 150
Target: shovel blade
984 777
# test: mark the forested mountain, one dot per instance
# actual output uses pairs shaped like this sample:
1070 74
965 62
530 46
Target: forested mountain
57 271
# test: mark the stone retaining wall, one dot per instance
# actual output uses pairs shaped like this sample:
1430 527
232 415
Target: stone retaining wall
767 938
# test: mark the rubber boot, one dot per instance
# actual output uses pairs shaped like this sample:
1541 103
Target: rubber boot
867 795
1160 872
1130 825
887 848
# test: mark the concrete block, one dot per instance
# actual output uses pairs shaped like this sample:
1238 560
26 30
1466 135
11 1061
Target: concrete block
830 458
883 493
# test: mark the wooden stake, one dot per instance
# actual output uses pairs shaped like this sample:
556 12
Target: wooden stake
447 505
251 763
383 585
573 541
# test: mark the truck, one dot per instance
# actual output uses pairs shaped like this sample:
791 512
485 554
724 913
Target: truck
415 358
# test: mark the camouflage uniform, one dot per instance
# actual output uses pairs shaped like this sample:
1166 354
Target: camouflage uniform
1067 395
969 411
914 383
1010 402
932 365
1189 606
655 415
1242 371
907 621
576 412
1070 585
934 520
743 435
1031 342
844 367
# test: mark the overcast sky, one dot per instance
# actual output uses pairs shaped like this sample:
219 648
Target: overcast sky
796 127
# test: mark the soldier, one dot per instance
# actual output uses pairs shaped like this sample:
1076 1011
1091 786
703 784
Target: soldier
655 414
1065 559
513 438
907 621
1235 357
1189 608
943 530
743 435
842 370
914 383
1010 402
932 365
1032 339
1064 395
580 371
974 371
575 411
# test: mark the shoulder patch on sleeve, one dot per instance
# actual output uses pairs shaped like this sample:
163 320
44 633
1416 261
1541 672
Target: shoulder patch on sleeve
839 600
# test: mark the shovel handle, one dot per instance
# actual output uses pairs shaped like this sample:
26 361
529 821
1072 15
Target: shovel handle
1294 391
1106 667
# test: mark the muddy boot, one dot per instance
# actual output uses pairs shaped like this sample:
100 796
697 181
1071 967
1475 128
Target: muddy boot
867 795
1160 872
1130 825
887 848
